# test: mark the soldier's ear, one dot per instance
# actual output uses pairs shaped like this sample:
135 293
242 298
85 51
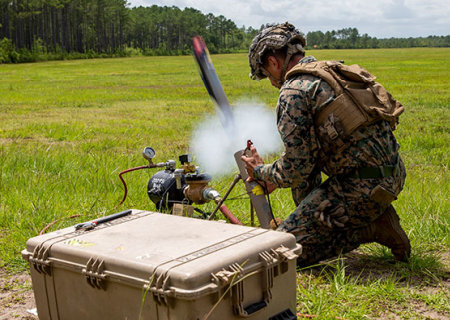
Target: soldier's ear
272 62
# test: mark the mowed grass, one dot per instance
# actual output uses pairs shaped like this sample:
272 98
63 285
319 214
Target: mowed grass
67 128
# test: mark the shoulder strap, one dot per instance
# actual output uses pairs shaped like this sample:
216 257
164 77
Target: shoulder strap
319 69
359 85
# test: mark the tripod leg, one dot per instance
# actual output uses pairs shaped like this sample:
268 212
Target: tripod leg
252 214
235 181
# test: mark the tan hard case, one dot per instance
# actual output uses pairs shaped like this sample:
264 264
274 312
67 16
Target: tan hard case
150 265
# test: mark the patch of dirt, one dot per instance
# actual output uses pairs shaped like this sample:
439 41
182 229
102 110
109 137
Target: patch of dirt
16 296
414 310
40 140
365 268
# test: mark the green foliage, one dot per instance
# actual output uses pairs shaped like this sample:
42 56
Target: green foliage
80 29
8 52
349 38
169 30
48 30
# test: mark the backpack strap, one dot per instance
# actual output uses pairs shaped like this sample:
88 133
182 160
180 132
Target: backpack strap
360 101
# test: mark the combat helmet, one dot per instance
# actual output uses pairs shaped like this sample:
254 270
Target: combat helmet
270 39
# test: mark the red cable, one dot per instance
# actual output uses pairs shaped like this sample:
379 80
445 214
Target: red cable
124 183
227 213
53 222
124 197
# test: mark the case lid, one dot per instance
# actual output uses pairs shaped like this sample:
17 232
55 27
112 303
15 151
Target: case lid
177 255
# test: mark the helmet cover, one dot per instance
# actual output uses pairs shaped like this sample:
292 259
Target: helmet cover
273 38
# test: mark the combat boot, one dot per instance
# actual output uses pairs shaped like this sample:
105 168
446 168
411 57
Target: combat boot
387 231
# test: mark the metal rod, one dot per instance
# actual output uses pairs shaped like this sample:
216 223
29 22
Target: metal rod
236 179
256 193
252 214
92 224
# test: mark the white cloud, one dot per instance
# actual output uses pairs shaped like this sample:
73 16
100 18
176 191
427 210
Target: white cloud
381 18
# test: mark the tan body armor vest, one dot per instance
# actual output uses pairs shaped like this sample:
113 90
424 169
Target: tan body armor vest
360 101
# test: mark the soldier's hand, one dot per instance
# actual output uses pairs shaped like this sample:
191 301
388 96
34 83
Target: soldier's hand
270 187
331 216
252 160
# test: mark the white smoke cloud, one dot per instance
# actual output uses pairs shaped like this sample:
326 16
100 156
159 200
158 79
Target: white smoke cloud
214 149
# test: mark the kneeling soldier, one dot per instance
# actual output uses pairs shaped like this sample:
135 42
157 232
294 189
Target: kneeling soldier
334 119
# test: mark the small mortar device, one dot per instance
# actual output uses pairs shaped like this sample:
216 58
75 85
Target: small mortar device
175 190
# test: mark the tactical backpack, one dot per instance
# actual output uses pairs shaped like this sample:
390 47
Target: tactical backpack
360 101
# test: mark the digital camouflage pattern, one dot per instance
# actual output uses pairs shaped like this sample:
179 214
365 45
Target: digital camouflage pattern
329 215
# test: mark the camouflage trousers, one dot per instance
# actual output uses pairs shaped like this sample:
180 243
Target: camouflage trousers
329 220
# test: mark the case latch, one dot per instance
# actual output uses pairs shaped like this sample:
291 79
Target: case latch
224 277
159 287
286 253
94 273
39 260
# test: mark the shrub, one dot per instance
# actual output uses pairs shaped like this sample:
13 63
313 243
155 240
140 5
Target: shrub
8 53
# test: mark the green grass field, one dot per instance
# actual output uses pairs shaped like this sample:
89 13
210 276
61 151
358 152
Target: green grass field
67 128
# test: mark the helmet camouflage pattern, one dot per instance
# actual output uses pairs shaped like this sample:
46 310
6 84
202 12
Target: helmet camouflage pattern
273 38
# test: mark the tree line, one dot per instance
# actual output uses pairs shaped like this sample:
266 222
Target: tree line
349 38
32 30
53 29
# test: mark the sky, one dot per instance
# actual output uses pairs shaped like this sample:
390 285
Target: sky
377 18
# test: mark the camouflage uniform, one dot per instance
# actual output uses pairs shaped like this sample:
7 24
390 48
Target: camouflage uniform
329 215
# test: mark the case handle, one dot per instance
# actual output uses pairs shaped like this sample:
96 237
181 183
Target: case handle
255 307
274 262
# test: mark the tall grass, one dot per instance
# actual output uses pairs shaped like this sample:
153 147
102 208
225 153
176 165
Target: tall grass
68 128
